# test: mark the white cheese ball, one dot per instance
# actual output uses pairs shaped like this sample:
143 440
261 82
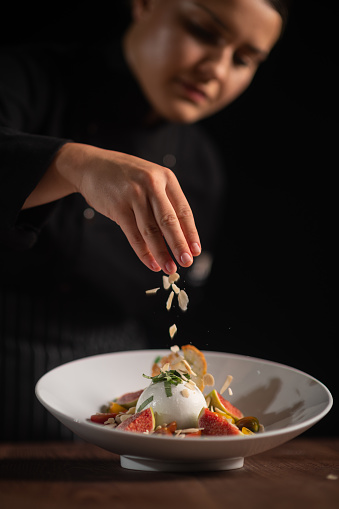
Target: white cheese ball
183 406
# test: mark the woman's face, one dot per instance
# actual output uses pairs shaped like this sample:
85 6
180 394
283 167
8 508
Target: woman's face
194 57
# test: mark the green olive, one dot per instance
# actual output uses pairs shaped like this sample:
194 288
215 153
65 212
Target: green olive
251 423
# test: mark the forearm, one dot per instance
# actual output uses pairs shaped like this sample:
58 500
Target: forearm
60 179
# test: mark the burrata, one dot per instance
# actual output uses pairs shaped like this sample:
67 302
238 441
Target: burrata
183 405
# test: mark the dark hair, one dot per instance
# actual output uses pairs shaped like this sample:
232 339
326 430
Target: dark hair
283 8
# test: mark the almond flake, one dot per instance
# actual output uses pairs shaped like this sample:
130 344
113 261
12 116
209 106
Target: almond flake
169 301
123 417
175 349
165 367
165 282
131 410
208 379
228 382
183 300
110 420
188 367
153 291
190 386
189 430
173 330
185 393
172 278
175 288
230 392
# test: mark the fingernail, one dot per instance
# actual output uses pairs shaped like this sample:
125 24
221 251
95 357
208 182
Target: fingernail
185 258
170 267
195 248
155 266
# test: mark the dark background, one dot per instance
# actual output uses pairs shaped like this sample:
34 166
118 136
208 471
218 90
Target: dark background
272 292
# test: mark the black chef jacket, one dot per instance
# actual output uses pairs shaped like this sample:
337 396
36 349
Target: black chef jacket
71 285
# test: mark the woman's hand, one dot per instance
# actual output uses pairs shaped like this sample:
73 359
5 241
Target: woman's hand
143 198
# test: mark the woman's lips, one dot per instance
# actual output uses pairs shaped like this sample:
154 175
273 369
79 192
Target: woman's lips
191 92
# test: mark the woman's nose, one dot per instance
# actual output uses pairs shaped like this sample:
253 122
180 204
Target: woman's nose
216 64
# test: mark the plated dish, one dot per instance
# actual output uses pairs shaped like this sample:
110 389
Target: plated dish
285 400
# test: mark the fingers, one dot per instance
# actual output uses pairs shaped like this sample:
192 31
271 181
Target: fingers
185 218
137 242
177 226
152 236
147 202
162 219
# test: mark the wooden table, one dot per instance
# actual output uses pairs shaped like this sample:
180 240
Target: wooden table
303 473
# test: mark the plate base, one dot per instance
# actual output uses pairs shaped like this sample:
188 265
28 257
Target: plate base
155 465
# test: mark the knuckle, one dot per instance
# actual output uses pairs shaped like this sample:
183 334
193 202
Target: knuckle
150 230
147 179
168 220
136 240
185 213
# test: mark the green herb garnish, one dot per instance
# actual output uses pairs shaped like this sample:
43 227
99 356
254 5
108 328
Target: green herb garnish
171 377
144 404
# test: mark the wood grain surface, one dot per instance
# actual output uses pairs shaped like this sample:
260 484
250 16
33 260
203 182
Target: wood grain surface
302 473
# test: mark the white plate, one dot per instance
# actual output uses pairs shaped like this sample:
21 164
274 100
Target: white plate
287 401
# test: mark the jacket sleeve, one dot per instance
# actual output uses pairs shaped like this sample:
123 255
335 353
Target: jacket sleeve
29 100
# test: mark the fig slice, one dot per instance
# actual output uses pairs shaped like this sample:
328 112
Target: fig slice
218 401
215 424
129 399
141 422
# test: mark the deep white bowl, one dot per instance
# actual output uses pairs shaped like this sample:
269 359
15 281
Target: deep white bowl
286 400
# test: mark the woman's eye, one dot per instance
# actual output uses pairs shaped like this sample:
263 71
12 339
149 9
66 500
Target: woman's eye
238 60
202 33
244 61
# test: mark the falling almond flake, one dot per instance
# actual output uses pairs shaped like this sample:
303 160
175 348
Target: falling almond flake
165 282
183 300
153 291
175 349
169 301
230 392
208 379
172 278
227 383
175 288
172 330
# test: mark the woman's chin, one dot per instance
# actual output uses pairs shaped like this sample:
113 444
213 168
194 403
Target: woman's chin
181 112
